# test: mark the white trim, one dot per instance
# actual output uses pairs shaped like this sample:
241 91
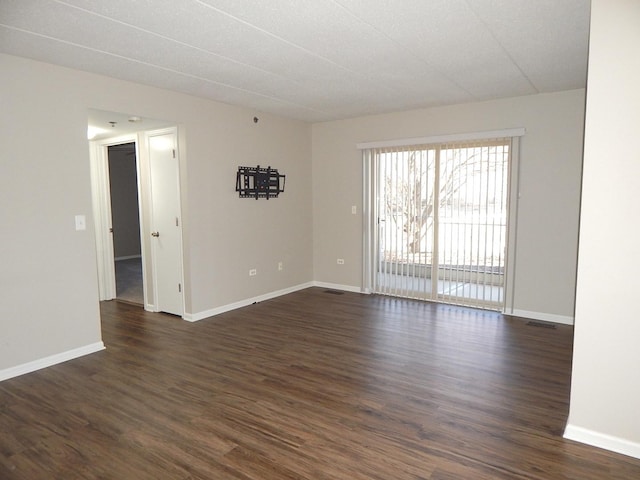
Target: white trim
101 198
601 440
512 224
336 286
194 317
545 317
369 222
456 137
50 361
144 195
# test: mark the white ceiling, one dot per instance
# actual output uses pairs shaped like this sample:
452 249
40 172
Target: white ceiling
105 124
313 60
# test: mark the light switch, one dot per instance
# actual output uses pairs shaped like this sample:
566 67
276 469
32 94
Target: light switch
353 209
81 222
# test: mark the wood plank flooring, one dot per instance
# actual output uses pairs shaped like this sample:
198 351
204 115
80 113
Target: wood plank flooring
311 385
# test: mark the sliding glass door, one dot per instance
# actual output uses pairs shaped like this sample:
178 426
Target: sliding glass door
440 214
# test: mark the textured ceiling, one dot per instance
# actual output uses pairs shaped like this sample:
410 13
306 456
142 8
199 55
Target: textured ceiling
313 60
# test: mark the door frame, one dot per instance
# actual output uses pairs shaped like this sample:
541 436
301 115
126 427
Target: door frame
101 196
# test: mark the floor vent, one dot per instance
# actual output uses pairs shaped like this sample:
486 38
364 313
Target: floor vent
334 292
541 324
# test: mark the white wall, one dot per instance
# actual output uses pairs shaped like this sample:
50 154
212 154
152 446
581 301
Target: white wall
48 285
550 166
49 298
605 390
227 236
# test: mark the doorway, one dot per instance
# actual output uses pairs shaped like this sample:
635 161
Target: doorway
125 221
159 224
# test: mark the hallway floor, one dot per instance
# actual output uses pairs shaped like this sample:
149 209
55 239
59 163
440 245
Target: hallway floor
129 280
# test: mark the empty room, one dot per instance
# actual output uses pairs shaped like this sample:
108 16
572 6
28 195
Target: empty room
362 240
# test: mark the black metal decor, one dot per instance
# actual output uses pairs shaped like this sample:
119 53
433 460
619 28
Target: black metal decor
256 182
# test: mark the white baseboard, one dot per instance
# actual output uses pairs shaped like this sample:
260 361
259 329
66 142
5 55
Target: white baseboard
194 317
127 257
601 440
49 361
336 286
545 317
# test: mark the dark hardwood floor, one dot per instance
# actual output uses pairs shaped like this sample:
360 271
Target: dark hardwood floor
311 385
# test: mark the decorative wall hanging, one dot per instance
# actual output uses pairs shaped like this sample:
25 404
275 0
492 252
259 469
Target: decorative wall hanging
256 182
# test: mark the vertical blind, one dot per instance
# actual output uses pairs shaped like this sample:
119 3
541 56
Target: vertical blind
439 221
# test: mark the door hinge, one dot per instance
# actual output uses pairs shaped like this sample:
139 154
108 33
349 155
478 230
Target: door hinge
179 288
177 222
174 153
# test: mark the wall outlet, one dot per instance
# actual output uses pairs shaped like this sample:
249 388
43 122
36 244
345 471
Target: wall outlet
280 266
341 261
253 272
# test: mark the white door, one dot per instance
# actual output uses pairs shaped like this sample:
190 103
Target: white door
166 233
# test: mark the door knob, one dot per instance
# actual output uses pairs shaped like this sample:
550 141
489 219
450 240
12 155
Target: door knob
155 234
